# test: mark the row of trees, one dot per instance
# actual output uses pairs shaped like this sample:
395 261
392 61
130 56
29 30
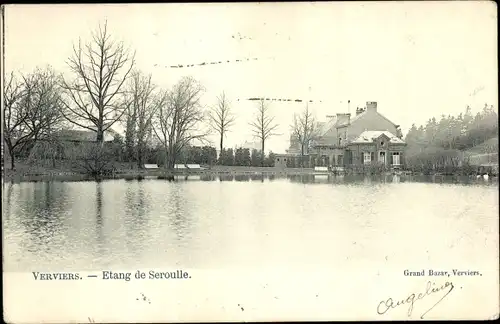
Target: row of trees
104 88
443 145
203 155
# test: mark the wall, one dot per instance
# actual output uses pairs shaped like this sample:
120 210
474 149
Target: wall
358 149
280 161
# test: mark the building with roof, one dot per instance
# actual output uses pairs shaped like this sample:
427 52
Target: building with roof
80 136
367 138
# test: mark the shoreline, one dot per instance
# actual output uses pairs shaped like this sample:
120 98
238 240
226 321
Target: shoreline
219 171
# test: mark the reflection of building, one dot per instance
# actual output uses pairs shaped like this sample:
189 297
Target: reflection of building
367 138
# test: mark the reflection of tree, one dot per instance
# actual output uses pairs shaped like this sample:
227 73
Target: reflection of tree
42 213
226 177
180 218
7 197
242 177
99 221
137 208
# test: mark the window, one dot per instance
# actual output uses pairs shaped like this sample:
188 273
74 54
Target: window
278 159
396 158
381 157
382 143
367 157
340 140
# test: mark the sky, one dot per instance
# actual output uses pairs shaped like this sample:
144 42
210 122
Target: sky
416 59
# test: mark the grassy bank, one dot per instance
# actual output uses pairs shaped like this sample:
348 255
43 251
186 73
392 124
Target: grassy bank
43 170
66 171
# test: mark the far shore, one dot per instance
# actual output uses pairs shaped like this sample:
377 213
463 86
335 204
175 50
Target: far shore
31 174
160 173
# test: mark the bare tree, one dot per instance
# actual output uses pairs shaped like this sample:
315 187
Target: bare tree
93 158
32 110
101 68
263 126
130 123
14 116
141 107
221 118
179 118
304 130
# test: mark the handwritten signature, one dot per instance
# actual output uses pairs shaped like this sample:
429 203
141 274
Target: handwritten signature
385 305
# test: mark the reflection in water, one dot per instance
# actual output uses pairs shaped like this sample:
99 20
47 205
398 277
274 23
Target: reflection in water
257 177
208 177
98 205
229 220
180 214
226 177
242 177
43 208
7 191
136 216
99 220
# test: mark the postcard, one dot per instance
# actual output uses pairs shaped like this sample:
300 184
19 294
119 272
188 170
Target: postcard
248 162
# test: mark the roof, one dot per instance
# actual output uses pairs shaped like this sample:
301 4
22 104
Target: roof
353 119
369 136
359 116
324 127
82 135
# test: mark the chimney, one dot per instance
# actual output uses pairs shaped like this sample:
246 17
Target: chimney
343 118
371 106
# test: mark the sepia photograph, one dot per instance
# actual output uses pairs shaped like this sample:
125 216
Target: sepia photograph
249 162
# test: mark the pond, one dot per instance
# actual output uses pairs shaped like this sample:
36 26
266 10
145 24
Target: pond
244 221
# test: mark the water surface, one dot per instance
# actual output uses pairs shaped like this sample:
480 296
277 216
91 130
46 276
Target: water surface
246 221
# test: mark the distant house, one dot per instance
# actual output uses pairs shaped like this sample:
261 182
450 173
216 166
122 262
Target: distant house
281 160
367 138
65 139
78 136
72 141
380 147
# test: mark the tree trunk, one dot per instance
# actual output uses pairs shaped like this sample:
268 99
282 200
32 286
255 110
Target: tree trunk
100 133
139 155
171 158
166 159
10 148
262 154
221 144
302 156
